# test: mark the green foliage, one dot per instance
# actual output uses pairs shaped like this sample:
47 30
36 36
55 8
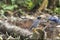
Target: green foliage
13 1
9 7
2 12
29 4
21 11
57 10
26 3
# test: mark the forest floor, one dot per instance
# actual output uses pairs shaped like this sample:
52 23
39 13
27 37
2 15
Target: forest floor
16 24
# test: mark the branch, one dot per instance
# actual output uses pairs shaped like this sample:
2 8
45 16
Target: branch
6 27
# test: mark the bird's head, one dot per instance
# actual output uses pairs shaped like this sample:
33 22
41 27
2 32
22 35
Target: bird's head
38 17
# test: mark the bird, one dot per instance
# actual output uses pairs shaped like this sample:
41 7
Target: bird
54 19
58 21
35 23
